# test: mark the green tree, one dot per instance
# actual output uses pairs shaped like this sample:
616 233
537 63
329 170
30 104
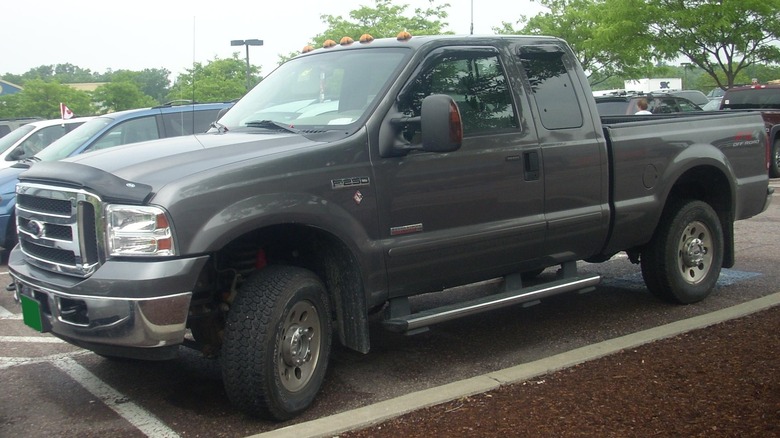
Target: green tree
384 20
605 38
60 73
153 82
220 80
42 99
119 96
722 37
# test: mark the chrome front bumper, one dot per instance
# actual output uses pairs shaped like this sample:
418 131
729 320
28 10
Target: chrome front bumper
127 309
149 322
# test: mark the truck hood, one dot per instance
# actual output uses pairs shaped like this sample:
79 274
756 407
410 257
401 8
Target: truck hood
148 166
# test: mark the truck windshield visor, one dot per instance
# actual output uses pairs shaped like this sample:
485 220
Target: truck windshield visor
329 89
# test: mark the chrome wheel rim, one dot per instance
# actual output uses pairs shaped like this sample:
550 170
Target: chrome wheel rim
694 255
300 346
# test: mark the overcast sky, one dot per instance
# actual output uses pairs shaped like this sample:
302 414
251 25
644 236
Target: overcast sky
171 34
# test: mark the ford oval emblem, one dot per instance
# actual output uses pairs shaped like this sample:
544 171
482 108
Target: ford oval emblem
35 228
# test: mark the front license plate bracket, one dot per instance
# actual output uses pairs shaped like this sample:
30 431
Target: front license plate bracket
31 313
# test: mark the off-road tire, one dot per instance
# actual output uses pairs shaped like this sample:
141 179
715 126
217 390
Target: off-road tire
683 261
277 343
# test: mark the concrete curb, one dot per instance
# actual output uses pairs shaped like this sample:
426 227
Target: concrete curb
378 412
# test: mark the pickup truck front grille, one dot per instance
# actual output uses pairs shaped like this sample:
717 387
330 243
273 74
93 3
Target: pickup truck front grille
57 228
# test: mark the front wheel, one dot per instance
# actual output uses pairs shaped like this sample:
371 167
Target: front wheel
277 343
683 261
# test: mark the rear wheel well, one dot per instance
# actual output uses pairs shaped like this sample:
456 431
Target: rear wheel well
710 185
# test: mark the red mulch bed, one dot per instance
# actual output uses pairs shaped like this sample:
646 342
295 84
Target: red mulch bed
721 381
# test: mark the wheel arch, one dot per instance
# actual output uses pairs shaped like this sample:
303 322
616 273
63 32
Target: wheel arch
699 173
710 184
331 258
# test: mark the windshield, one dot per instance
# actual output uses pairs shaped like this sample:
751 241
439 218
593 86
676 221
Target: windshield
71 141
712 105
14 136
328 89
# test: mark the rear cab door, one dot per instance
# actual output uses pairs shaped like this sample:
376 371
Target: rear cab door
573 151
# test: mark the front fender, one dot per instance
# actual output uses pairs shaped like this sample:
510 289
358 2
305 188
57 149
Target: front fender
265 210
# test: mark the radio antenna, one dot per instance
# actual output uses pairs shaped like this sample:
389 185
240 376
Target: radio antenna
472 17
193 74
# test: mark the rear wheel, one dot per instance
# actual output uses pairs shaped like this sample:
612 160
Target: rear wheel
277 343
774 162
684 259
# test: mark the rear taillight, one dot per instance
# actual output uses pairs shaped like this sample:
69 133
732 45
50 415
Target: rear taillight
768 160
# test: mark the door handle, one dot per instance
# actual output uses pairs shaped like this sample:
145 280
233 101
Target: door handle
531 165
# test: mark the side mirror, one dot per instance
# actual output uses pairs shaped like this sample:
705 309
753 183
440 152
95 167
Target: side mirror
222 112
442 127
439 127
16 155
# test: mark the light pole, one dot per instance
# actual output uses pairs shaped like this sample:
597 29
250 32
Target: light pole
685 66
247 43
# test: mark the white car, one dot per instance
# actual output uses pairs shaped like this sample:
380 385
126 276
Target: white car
26 140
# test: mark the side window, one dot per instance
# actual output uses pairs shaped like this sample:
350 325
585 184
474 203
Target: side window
131 131
555 95
179 123
188 122
686 106
476 81
663 106
39 140
203 120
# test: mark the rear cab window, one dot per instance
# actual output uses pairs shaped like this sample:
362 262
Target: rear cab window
752 98
553 87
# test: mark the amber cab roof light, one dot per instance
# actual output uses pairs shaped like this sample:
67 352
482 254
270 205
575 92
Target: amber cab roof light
345 41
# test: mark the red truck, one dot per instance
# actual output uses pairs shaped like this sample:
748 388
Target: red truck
766 99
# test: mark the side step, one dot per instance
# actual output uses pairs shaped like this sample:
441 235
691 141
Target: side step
419 321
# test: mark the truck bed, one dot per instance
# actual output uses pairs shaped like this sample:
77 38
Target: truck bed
640 175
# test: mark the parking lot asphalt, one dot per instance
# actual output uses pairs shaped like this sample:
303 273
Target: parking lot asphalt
378 412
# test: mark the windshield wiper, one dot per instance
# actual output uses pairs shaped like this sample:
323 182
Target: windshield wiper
270 124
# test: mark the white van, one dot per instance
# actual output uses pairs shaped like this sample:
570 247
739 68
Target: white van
26 140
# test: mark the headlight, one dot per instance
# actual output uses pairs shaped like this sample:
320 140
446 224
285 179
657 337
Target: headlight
138 231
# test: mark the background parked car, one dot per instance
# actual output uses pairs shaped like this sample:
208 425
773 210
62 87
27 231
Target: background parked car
625 104
694 96
29 139
8 125
766 99
713 104
110 130
716 92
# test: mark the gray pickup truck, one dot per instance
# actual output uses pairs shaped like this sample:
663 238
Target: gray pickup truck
358 175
